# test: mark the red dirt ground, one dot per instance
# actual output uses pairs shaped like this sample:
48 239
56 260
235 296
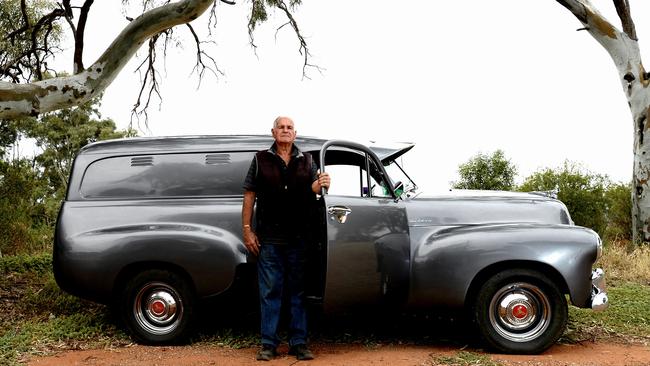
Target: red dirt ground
585 354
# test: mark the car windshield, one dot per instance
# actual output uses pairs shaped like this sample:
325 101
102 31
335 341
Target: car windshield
397 174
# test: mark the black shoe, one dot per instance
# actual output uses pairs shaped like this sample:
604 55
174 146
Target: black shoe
266 353
301 352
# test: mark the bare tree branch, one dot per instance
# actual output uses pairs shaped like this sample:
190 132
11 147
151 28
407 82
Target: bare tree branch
150 83
200 66
69 16
46 20
149 79
301 40
43 96
79 37
27 59
599 27
25 27
623 11
87 82
258 14
577 8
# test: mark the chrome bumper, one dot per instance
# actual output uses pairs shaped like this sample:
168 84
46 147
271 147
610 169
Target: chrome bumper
599 300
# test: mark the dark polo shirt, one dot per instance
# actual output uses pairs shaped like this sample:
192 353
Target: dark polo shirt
283 192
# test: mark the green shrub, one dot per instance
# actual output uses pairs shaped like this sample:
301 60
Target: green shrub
619 212
582 192
489 172
31 190
20 189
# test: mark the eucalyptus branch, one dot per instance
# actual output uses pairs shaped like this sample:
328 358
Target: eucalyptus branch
200 67
23 10
149 73
79 36
44 21
303 49
623 11
69 16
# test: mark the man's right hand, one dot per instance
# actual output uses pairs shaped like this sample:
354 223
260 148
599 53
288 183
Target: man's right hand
251 242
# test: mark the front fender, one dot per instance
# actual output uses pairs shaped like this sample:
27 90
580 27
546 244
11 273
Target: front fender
446 260
90 262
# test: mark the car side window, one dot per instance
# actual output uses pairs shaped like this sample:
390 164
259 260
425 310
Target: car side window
355 174
166 176
348 180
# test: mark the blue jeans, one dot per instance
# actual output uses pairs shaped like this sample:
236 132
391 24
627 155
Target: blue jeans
277 266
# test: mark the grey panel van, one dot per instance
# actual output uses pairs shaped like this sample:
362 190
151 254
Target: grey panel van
152 226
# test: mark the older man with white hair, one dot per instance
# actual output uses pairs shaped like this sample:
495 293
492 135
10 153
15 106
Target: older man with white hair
281 181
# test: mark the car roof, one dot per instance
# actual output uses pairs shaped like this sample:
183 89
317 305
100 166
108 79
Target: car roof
149 145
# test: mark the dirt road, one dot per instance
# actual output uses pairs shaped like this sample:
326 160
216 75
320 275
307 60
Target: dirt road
584 354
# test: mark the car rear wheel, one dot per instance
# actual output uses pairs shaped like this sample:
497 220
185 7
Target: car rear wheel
520 311
157 306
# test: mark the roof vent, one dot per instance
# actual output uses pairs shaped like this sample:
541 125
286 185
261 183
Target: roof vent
142 161
217 159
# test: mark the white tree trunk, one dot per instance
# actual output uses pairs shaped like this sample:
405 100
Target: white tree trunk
625 53
18 100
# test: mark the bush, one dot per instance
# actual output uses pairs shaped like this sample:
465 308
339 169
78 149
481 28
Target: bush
21 230
582 192
31 190
488 172
619 212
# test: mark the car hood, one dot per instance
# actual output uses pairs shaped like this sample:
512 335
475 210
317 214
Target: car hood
467 207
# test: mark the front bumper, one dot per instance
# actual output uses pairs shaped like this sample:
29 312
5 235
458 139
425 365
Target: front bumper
599 300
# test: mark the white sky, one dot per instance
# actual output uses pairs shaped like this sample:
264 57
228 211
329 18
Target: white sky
455 77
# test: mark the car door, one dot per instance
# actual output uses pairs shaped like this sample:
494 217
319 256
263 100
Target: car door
367 231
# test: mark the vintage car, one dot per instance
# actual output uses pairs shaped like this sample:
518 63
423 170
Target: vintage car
153 226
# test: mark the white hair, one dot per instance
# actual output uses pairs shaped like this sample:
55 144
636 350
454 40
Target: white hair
278 119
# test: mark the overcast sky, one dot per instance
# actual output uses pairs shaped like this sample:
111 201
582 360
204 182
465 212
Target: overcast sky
455 77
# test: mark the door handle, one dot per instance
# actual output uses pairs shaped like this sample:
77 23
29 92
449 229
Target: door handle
339 212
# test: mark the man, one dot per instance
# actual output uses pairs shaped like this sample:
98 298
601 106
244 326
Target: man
284 182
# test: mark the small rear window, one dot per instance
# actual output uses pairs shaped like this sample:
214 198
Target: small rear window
166 175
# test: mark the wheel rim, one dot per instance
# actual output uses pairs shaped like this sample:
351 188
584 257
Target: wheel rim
520 312
158 308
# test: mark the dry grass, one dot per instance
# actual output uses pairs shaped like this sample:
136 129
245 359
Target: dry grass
625 262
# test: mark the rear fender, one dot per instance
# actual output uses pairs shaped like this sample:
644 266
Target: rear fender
94 259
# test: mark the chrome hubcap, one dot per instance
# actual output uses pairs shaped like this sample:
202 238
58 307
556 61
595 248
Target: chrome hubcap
161 306
520 312
516 310
157 308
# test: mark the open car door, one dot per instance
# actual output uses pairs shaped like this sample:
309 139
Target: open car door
367 230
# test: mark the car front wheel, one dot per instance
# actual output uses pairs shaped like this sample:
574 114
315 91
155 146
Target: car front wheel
520 311
157 306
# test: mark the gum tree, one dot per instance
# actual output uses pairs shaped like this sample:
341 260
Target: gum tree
623 48
30 40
